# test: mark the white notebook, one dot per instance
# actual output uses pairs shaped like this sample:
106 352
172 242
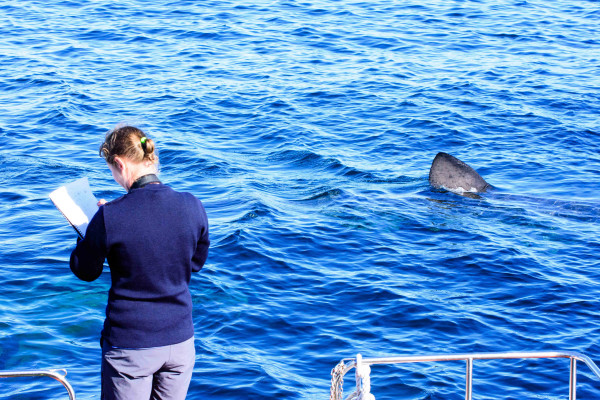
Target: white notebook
77 203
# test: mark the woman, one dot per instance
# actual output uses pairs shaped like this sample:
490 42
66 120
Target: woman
153 238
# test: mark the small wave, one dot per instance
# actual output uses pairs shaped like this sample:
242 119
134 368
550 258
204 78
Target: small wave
257 210
304 159
326 195
39 82
73 51
327 95
11 196
108 35
54 117
305 32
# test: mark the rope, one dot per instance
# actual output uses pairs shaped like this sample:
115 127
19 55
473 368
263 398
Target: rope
363 382
337 382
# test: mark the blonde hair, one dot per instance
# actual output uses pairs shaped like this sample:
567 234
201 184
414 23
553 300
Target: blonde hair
128 142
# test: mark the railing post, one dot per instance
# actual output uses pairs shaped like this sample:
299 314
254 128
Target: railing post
469 383
573 379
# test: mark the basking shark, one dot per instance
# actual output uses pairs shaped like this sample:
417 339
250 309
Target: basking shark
450 173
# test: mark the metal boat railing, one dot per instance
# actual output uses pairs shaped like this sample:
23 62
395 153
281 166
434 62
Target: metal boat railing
362 365
58 374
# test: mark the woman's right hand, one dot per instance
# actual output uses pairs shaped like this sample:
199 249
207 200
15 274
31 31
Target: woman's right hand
101 202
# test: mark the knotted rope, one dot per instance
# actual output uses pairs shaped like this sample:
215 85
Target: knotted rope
363 381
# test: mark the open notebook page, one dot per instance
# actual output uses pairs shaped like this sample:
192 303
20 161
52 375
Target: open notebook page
77 203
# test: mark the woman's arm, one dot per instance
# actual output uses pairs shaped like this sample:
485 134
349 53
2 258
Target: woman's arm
87 259
201 253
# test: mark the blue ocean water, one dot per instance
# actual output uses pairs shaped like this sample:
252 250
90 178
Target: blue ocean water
308 129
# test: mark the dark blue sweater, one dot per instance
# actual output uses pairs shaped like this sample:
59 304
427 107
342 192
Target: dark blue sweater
153 238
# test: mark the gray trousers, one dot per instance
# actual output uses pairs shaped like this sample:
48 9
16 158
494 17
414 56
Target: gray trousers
156 373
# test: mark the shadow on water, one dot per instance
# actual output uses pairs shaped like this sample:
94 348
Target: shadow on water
582 211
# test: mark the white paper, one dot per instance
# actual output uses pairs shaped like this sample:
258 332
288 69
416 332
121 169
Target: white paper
77 203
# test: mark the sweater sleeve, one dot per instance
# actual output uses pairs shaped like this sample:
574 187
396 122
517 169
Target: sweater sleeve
201 253
87 259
